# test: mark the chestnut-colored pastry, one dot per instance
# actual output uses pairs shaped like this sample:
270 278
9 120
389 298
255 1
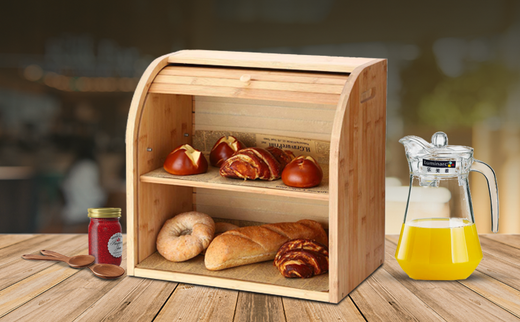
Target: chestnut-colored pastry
225 147
302 258
302 172
252 164
185 160
282 156
254 244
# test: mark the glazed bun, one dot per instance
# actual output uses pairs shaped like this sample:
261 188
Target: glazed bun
223 149
185 160
302 172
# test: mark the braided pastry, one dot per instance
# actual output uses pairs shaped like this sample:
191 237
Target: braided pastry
302 258
254 163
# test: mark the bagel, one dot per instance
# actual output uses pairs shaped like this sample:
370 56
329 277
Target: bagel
185 236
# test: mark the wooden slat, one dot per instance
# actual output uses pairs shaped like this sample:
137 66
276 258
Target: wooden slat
258 308
252 207
452 301
13 268
229 283
307 311
265 60
8 240
260 94
259 273
257 74
264 123
134 299
213 180
357 181
497 292
253 84
165 120
252 129
393 301
197 303
28 288
511 240
68 299
132 138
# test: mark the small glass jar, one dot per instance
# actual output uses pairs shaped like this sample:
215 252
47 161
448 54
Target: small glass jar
105 238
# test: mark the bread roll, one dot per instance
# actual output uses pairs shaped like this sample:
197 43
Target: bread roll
255 244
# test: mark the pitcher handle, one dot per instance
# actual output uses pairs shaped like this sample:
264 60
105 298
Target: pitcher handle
491 178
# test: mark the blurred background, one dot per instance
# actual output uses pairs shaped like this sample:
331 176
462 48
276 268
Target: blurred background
68 72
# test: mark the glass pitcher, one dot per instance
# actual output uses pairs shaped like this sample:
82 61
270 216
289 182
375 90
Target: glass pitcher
438 239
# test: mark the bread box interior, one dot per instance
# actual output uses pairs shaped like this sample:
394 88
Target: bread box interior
331 108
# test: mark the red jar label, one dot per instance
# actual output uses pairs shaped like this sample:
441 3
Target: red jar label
115 245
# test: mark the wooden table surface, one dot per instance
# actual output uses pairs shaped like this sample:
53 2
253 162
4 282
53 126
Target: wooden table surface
51 291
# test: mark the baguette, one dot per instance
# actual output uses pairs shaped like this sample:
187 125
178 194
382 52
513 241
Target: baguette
255 244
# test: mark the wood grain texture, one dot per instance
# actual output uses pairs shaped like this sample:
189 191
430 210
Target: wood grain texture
511 240
258 308
134 299
32 281
60 293
213 180
356 184
13 268
8 240
450 299
303 311
253 207
250 93
131 139
264 272
256 74
197 303
394 302
165 120
271 61
66 300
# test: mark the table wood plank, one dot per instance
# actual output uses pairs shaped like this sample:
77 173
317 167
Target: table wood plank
451 300
307 311
497 292
8 240
68 299
14 269
133 299
199 303
258 308
511 240
393 301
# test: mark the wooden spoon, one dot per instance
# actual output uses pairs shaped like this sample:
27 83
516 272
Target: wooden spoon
77 261
106 271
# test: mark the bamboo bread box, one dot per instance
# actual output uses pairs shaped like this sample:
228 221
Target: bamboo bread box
333 108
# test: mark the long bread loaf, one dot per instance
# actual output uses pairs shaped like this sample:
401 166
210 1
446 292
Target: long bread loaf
255 244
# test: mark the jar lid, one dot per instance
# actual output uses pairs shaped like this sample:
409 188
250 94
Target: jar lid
104 212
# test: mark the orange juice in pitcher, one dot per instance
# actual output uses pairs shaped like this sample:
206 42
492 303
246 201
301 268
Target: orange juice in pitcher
441 248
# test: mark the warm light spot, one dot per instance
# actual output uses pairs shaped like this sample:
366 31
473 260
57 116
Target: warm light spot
33 72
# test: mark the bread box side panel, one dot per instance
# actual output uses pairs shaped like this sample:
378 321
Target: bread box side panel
166 123
357 178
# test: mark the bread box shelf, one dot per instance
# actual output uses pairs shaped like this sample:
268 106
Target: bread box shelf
213 180
332 107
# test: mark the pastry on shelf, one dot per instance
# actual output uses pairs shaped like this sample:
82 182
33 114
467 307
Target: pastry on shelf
185 160
223 149
302 172
254 244
255 163
302 258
